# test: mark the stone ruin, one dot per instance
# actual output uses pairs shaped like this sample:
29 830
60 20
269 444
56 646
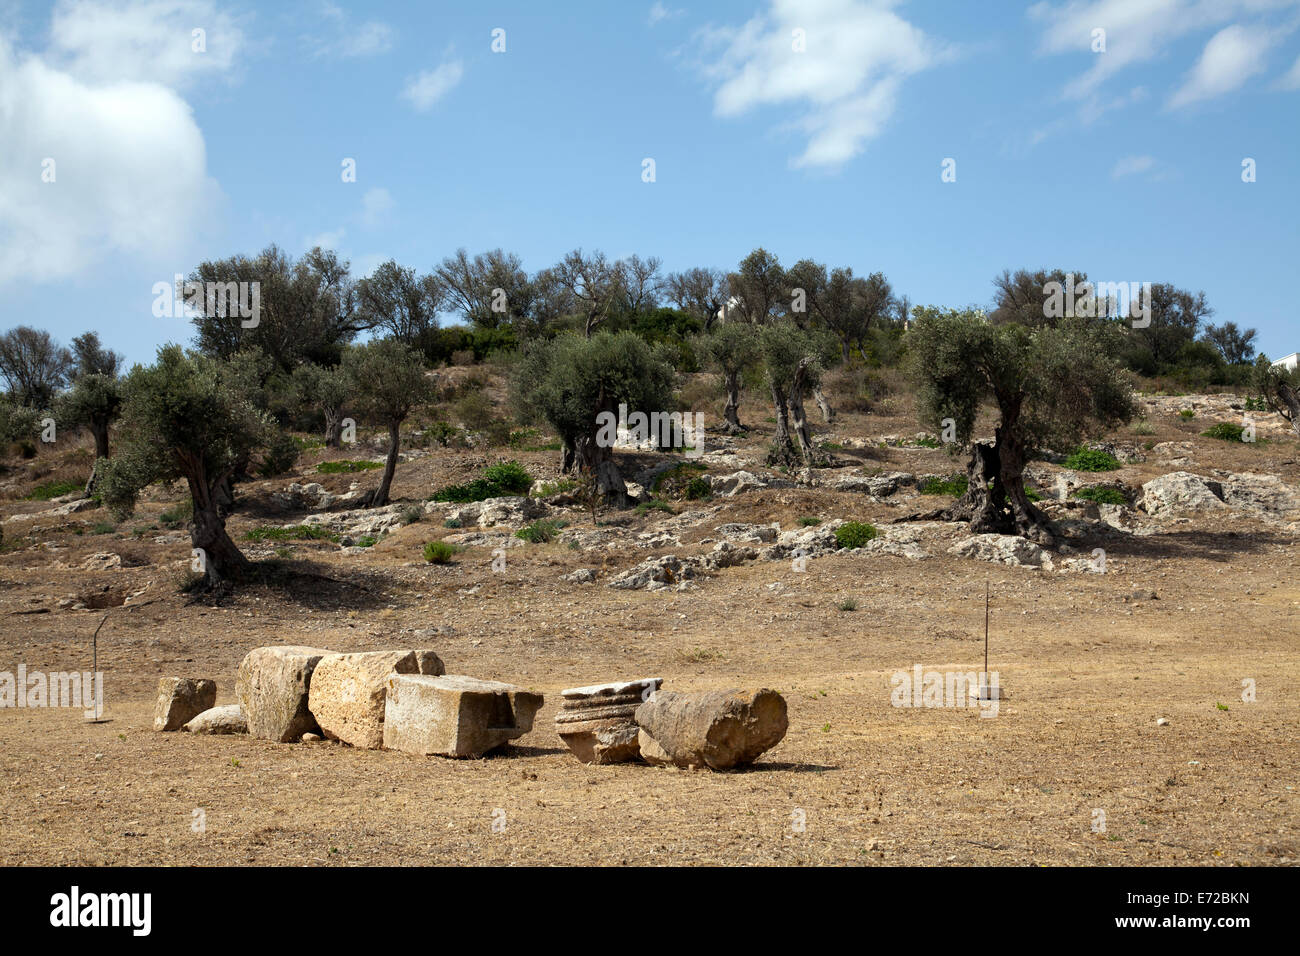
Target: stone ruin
403 700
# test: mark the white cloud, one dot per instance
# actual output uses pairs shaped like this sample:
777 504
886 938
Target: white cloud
432 85
104 41
1232 56
1291 79
129 160
1135 30
375 206
855 58
1133 166
659 12
326 240
347 39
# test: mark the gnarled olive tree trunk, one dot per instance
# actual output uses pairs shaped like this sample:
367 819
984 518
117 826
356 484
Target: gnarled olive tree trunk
380 497
782 452
333 428
221 558
799 418
731 412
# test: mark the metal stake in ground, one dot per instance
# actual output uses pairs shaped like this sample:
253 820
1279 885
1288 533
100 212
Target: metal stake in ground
94 673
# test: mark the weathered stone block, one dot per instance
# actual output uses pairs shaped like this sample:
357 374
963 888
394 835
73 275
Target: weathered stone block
180 699
715 729
454 715
228 719
348 692
272 686
598 724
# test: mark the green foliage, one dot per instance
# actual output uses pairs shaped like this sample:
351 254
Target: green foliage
956 486
1143 427
854 534
653 504
697 489
347 467
1102 495
1091 459
1225 431
556 487
540 532
499 480
387 379
809 521
682 481
568 381
186 416
367 541
53 489
178 514
453 523
280 455
439 552
1054 383
103 527
298 532
17 422
1187 413
848 604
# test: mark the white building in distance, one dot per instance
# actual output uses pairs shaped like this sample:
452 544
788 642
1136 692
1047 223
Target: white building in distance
1288 362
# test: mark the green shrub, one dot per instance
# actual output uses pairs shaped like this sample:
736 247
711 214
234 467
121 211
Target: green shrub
54 489
1102 495
103 527
854 534
809 522
297 532
1187 413
849 604
367 541
555 487
1090 459
453 523
1224 431
1143 427
681 481
439 552
654 504
955 486
280 455
697 488
178 514
501 479
540 532
343 466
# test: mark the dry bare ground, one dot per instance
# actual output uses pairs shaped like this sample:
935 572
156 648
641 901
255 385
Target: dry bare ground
1187 610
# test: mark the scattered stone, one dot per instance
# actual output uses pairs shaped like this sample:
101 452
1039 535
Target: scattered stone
756 533
715 729
102 561
311 738
878 486
272 686
1266 494
1003 549
180 700
728 486
581 576
348 691
1162 722
657 574
598 724
228 719
454 715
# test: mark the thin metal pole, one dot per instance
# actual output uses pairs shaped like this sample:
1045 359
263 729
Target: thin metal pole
94 672
986 631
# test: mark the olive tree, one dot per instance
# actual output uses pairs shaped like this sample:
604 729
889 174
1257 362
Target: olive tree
794 360
387 379
1280 389
575 383
1052 385
732 349
315 386
187 417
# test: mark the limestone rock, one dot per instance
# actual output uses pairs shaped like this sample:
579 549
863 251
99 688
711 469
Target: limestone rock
348 691
737 482
181 699
1003 549
272 686
454 715
1180 492
715 729
1266 494
228 719
598 724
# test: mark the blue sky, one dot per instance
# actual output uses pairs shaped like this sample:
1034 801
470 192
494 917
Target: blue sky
1124 162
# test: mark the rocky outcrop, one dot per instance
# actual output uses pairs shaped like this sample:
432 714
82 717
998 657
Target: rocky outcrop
714 729
1007 549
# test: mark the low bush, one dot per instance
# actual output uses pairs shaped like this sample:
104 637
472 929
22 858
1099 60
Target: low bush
1090 459
854 534
439 552
1101 495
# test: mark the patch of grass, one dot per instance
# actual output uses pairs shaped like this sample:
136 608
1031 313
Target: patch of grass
439 552
366 541
1090 459
297 532
854 534
831 446
499 480
681 481
1187 413
702 656
1102 496
654 504
540 532
54 489
345 467
808 521
1224 431
927 442
306 444
453 523
178 514
555 487
848 604
1143 427
103 527
696 489
955 486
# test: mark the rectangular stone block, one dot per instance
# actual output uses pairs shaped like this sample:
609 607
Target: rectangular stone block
272 686
455 715
180 700
348 692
